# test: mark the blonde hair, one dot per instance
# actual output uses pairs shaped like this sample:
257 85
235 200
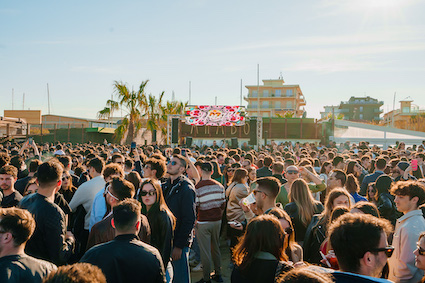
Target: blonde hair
300 194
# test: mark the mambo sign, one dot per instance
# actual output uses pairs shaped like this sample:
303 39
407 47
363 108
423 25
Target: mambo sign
212 115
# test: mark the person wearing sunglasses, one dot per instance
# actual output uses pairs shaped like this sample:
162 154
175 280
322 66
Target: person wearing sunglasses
361 248
161 221
420 252
409 195
179 194
118 189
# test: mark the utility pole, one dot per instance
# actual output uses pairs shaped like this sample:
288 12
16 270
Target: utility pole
13 96
258 90
190 92
241 94
48 99
23 101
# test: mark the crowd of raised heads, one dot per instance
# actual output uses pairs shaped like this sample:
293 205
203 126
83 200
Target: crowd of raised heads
287 212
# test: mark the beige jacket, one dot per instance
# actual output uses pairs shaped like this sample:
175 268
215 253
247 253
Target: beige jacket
234 193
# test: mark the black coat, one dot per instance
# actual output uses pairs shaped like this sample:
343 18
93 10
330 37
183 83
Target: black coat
314 237
387 208
126 259
180 198
24 268
299 228
262 271
48 241
161 233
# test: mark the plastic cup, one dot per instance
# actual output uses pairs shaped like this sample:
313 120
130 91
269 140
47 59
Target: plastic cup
250 199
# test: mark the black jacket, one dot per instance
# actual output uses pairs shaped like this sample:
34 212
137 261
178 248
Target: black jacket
262 271
387 208
126 259
24 268
314 237
299 228
48 241
180 198
264 172
161 234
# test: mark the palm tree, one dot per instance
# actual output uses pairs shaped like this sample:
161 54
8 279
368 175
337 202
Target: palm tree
131 101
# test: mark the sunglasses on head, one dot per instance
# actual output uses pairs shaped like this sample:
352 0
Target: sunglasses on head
288 230
388 250
421 251
145 193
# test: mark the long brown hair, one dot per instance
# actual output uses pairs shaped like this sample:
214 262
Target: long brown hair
282 214
300 194
159 204
263 234
239 174
329 202
352 185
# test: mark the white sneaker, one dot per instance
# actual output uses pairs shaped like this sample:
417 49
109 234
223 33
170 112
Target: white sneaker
197 268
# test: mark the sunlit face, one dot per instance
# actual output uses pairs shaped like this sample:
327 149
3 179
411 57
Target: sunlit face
333 182
6 182
66 180
371 192
148 194
292 173
420 259
342 200
147 171
252 175
404 203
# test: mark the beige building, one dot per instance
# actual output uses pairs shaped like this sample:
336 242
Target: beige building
30 116
274 97
400 118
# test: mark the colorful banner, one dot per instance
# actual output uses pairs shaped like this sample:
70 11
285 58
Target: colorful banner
210 115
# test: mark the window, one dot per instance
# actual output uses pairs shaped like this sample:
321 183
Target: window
361 108
253 104
278 93
265 93
277 104
265 104
289 93
361 116
289 104
254 93
406 109
266 114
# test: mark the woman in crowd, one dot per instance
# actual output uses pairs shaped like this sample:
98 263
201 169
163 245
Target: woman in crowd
365 208
372 193
260 255
236 191
325 170
161 221
293 251
217 175
252 175
67 189
353 187
134 178
317 229
301 208
386 206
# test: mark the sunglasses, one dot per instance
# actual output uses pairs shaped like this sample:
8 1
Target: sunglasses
109 193
258 191
292 172
172 162
388 250
65 178
231 170
145 193
421 251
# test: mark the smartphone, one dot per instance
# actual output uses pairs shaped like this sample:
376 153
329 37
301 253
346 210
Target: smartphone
30 140
133 145
325 259
184 152
414 164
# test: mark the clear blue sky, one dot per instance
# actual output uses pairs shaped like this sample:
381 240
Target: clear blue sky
333 49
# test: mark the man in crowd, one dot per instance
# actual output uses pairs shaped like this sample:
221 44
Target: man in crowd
50 240
210 203
179 194
380 165
16 227
117 190
337 179
338 162
125 258
360 245
265 193
408 197
265 170
8 177
277 172
86 193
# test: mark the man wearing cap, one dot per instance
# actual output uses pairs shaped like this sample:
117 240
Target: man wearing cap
210 204
405 169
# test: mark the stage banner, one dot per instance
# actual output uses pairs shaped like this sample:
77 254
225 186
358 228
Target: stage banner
213 115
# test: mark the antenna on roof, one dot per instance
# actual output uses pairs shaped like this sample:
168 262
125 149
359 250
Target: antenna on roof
48 99
13 97
281 76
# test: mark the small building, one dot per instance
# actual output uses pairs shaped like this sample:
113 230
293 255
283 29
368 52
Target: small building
274 98
361 109
329 110
30 116
400 118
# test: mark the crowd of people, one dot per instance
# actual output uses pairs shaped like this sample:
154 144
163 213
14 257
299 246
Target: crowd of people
286 212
